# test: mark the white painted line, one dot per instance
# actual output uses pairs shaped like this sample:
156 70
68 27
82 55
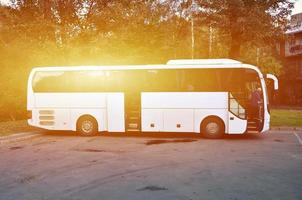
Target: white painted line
299 139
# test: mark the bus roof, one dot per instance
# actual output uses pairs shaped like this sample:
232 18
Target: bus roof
203 62
172 64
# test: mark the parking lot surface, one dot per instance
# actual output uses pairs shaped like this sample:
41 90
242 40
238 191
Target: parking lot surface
60 165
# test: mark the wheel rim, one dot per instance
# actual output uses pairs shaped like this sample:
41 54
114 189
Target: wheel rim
87 126
212 128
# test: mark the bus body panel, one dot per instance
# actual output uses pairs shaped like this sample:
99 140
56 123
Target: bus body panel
62 119
64 109
152 120
66 119
30 103
115 112
184 111
51 118
178 120
188 100
236 125
70 100
266 123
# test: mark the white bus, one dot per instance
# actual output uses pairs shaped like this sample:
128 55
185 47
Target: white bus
206 96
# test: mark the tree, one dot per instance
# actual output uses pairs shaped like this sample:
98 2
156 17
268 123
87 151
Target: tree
256 22
100 32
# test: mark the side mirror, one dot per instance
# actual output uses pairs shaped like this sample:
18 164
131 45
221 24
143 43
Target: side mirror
274 78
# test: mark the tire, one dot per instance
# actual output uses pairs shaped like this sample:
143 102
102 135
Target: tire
87 126
212 128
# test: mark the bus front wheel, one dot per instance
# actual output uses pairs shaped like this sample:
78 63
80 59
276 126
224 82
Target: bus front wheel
212 128
87 126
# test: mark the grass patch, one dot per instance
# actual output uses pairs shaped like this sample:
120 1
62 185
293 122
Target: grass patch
11 127
286 117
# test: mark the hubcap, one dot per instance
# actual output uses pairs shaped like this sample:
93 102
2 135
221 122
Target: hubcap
87 126
212 128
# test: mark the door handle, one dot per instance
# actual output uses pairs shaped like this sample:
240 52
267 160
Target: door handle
231 118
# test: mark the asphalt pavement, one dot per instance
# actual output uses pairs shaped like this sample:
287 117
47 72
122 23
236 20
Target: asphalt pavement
60 165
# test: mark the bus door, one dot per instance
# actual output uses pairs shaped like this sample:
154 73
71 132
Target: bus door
133 111
133 101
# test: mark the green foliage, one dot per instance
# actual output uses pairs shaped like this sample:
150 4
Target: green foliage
103 32
257 22
265 58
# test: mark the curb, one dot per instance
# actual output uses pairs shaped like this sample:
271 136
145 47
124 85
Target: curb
285 128
18 137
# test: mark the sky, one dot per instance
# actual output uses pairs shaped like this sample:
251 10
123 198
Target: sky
297 8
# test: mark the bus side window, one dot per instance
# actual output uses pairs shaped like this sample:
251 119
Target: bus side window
114 81
151 80
168 80
201 80
49 81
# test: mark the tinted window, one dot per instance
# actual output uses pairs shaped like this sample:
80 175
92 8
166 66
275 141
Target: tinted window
238 81
72 81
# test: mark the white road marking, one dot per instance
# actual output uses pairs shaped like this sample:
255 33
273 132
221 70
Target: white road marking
299 139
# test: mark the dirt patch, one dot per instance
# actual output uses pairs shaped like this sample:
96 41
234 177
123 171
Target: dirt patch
93 139
27 179
45 142
278 140
152 188
95 150
91 150
152 142
15 148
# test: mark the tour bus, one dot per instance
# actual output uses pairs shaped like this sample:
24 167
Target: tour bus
210 97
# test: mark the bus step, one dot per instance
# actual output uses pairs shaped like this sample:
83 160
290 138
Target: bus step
134 118
253 131
134 103
252 128
136 111
133 107
133 125
133 130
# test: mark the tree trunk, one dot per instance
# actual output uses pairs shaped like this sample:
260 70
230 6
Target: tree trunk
235 31
234 52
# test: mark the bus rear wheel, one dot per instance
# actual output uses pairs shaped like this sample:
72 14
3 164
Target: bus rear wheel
87 126
212 128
